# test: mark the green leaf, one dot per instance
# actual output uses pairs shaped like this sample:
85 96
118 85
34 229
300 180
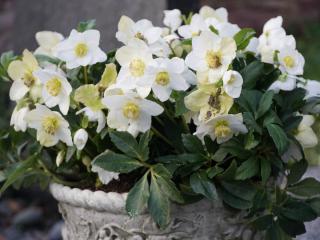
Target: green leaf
144 145
308 187
297 170
251 74
248 169
265 103
213 29
126 143
315 204
192 143
243 38
116 162
180 107
44 58
234 201
211 146
201 184
298 211
265 167
249 100
240 189
158 204
168 187
250 121
20 170
250 141
276 233
138 197
86 25
263 223
182 159
279 137
230 172
214 171
292 228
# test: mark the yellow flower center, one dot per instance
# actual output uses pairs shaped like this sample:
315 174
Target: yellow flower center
50 124
222 129
137 67
28 79
131 110
194 34
289 61
53 86
81 50
162 78
213 59
140 36
232 80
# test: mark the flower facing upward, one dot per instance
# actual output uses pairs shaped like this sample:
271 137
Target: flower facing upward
51 126
222 128
291 61
130 112
22 74
80 49
211 55
56 88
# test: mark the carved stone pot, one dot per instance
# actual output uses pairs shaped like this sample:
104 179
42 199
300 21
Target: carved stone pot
102 216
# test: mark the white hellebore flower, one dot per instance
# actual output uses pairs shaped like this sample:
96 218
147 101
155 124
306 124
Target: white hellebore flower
291 61
222 128
94 115
232 83
196 26
142 29
211 55
80 138
18 119
219 14
136 63
312 87
104 176
168 77
22 74
55 88
47 42
50 125
172 19
130 113
80 49
305 134
285 82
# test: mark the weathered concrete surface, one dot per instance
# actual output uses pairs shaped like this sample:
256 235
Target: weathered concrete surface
63 15
313 228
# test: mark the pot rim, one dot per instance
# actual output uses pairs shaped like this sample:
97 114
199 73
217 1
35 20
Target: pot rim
98 200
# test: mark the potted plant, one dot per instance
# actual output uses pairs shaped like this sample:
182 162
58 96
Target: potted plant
195 130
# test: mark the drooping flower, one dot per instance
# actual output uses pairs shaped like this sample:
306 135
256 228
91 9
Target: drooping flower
142 29
56 89
222 128
22 74
130 113
18 119
168 76
305 134
209 101
172 19
211 55
80 138
80 49
89 96
47 41
196 26
50 125
232 83
136 63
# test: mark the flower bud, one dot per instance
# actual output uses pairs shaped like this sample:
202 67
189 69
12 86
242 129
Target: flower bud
60 157
80 138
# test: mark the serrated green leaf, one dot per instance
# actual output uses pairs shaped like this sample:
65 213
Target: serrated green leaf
265 169
192 143
298 211
248 169
263 223
116 162
251 74
214 171
168 187
201 184
243 37
279 137
240 189
234 201
138 197
265 103
158 204
144 145
308 187
297 170
230 172
250 121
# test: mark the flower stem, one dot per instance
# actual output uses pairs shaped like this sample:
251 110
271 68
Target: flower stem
85 74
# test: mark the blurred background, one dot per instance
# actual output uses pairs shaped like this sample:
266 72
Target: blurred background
32 214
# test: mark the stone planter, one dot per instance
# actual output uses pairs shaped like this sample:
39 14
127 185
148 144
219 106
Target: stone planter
102 216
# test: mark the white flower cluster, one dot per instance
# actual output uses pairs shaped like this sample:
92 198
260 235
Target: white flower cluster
153 63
